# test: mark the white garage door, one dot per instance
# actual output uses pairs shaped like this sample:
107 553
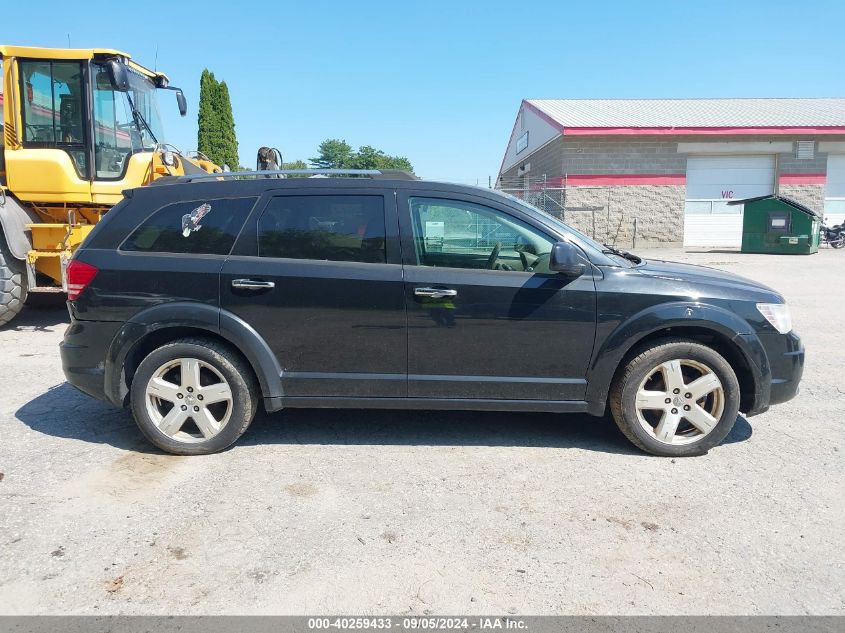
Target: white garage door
834 195
712 182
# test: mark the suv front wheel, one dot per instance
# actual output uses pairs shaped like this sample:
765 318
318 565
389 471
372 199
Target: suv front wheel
193 397
675 399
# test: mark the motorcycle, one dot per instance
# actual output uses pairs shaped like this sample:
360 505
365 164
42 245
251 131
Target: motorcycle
833 235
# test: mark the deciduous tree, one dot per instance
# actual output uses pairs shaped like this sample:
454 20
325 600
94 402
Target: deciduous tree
338 154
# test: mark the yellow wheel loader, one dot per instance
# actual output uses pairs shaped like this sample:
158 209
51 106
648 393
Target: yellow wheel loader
79 127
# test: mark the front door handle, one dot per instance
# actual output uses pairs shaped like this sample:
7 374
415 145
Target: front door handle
435 293
252 284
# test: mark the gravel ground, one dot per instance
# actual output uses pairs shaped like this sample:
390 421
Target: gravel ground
412 513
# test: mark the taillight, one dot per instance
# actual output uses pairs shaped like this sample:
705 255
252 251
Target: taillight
78 275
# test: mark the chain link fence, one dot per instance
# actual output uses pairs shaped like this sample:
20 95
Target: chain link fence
589 209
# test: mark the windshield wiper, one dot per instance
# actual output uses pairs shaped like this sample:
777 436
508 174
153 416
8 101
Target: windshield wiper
612 250
140 121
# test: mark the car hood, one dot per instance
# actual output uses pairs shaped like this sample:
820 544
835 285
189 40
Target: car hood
691 277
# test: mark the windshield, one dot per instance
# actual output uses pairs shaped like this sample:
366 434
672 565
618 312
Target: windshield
124 122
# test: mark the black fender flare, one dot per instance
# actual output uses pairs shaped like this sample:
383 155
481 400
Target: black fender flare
198 316
609 352
14 218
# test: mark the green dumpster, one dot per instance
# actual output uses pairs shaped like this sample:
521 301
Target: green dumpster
774 224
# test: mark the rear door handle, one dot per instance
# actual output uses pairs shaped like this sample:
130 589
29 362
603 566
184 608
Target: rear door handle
252 284
435 293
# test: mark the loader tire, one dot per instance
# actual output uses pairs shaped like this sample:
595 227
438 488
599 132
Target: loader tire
13 286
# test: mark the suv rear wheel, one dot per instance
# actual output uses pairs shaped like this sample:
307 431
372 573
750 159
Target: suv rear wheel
676 398
193 397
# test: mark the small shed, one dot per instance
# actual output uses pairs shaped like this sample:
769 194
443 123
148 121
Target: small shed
775 224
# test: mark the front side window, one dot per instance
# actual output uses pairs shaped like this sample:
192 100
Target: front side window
332 228
52 103
458 234
198 227
124 122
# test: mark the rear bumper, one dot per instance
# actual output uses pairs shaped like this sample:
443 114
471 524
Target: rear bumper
83 353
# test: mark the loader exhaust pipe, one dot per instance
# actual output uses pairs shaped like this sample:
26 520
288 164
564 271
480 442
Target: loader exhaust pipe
269 159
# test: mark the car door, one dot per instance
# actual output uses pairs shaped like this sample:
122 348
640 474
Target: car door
318 274
486 317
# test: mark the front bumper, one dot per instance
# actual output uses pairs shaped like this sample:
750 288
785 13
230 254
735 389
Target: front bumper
786 357
83 353
779 367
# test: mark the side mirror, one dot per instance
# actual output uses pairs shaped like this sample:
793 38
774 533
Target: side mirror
566 260
118 75
183 103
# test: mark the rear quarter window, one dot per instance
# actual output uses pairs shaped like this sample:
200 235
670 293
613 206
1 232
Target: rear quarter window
196 227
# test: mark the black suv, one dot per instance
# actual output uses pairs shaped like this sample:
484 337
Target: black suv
195 302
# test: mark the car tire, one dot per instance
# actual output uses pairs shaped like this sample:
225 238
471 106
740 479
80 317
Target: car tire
13 284
658 405
193 396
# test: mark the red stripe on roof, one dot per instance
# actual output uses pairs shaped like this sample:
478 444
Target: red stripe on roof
699 131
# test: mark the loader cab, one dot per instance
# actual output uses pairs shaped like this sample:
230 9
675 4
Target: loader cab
2 145
82 125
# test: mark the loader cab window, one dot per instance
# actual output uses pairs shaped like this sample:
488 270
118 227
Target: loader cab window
124 122
52 99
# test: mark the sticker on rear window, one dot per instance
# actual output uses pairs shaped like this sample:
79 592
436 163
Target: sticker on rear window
191 221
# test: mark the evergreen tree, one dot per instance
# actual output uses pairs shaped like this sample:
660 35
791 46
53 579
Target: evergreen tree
208 125
229 149
215 122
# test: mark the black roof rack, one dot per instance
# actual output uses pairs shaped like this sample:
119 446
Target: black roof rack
392 174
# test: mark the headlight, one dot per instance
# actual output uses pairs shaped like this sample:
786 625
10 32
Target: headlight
778 315
168 159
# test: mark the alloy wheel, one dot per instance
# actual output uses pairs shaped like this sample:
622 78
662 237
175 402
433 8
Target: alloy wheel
189 400
680 401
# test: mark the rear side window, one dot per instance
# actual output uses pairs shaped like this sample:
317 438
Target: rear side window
334 228
198 227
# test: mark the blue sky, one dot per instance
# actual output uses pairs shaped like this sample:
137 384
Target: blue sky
440 82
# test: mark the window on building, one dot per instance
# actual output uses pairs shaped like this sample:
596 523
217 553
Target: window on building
522 143
198 227
52 106
458 234
332 228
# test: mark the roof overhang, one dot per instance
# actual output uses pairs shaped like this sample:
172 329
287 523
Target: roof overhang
36 52
701 131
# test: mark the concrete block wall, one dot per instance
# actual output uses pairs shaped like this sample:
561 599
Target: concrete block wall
809 195
608 214
622 155
548 160
789 164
